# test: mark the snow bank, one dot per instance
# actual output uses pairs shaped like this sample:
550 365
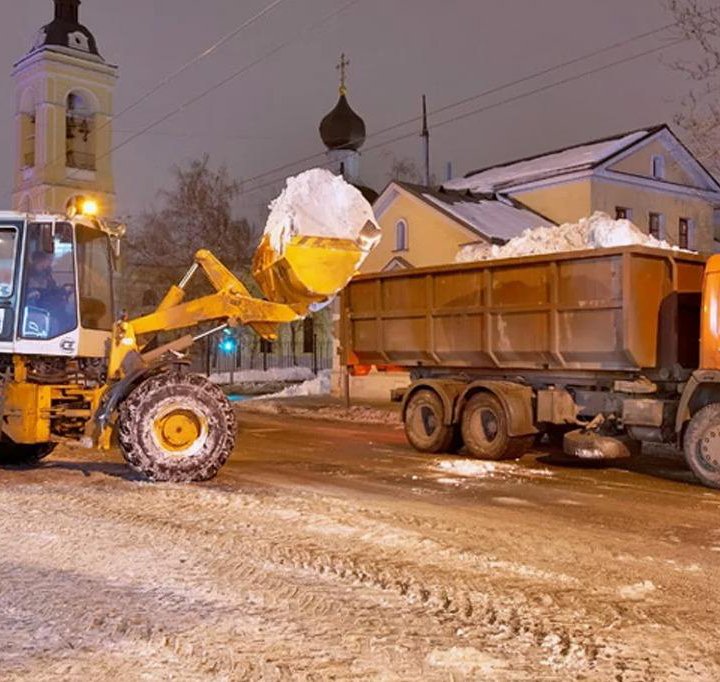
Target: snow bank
319 203
256 376
597 232
319 385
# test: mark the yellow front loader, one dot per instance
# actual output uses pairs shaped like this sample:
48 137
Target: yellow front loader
72 373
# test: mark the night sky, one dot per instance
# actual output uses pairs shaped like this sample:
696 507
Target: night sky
398 49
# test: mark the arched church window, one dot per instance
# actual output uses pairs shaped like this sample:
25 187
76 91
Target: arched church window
27 132
401 235
80 133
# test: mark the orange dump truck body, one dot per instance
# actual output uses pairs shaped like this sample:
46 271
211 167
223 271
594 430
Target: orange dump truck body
621 310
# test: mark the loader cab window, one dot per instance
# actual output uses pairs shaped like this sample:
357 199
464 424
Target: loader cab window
8 242
95 279
49 307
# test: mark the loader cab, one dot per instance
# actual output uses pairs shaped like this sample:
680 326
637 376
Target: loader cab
56 296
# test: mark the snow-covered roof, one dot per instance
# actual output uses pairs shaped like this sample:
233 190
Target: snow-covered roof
571 159
491 217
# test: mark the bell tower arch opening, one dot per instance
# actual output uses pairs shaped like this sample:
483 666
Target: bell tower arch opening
79 132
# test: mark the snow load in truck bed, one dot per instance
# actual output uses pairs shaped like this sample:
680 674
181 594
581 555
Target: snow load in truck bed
596 232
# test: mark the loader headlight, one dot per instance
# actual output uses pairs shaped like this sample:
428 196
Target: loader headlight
82 206
89 207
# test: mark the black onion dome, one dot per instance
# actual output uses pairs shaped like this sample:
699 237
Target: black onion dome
65 30
342 128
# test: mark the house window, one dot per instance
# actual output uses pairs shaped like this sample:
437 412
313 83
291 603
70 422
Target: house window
655 225
684 233
28 140
623 213
401 235
658 167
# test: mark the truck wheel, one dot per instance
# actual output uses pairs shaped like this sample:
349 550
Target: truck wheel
176 427
484 427
24 455
424 423
702 445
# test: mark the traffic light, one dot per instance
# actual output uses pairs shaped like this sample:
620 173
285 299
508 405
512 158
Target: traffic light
228 343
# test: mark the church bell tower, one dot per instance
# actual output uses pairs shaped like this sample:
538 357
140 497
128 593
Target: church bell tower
63 113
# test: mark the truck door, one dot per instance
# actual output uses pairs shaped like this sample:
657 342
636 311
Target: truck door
48 309
10 235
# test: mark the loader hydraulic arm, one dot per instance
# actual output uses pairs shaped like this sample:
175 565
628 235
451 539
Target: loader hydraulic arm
231 303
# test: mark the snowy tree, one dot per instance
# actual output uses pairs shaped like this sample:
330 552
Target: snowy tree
699 21
195 214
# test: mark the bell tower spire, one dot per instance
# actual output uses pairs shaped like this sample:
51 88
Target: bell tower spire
67 11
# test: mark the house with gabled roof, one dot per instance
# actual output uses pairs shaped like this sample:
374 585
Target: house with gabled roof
648 176
428 226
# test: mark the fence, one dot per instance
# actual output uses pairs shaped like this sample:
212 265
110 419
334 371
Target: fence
262 356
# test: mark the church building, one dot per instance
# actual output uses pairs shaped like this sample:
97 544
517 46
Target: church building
343 133
63 118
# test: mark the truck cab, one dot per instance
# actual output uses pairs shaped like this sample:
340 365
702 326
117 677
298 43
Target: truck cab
56 285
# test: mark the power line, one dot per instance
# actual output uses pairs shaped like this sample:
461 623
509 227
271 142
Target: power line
225 81
491 91
483 109
165 80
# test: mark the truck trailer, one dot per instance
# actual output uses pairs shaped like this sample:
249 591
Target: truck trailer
601 350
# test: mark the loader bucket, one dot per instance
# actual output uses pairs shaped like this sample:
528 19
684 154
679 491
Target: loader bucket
310 271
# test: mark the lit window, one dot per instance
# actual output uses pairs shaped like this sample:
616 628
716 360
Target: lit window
658 167
401 236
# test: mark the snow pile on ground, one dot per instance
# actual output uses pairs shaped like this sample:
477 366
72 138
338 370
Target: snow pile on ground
257 376
471 468
599 231
638 591
319 203
319 385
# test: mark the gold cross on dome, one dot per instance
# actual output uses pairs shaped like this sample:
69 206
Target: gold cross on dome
342 68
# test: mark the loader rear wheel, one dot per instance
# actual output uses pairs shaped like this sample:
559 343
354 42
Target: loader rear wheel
702 445
484 425
425 426
24 455
176 427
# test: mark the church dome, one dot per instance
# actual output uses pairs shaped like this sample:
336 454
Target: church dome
342 128
65 30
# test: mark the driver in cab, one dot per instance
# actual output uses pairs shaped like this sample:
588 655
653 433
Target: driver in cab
45 293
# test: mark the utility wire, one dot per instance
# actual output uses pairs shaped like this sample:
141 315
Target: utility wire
479 110
225 81
182 69
495 90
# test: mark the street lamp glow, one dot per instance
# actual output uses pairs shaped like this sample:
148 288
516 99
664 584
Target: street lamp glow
89 207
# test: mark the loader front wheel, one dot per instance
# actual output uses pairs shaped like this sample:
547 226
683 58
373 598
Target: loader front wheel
176 427
24 455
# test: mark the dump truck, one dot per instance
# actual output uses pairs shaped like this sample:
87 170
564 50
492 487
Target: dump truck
72 372
600 349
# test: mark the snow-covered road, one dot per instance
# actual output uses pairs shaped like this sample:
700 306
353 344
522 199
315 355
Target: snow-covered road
332 551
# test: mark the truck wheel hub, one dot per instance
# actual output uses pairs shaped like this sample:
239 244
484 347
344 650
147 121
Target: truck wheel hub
710 446
178 429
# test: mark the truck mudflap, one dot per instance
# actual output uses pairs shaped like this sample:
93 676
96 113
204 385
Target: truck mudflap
589 446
